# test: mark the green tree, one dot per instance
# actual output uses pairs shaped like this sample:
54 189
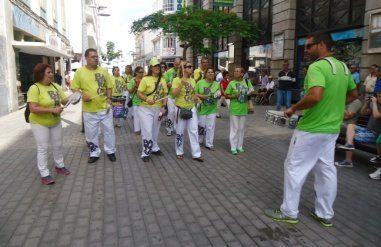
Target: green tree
111 54
192 26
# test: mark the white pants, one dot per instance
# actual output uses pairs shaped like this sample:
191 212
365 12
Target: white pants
206 126
171 117
237 131
93 121
150 126
192 126
42 135
135 109
310 151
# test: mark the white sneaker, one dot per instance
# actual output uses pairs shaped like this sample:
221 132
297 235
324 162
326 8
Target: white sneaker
376 175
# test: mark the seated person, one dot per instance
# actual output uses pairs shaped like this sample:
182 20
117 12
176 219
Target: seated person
372 107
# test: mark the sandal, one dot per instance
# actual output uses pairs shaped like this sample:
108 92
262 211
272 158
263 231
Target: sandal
180 157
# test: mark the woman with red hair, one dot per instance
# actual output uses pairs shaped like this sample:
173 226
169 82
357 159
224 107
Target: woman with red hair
44 100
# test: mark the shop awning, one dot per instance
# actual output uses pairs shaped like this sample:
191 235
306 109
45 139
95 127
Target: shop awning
39 48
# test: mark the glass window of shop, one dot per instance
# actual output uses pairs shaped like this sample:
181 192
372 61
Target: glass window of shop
314 15
168 5
260 12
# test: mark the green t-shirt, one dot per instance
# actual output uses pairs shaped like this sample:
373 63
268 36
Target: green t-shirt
93 83
185 99
47 97
209 105
118 85
127 78
198 74
169 76
147 86
327 115
135 99
238 107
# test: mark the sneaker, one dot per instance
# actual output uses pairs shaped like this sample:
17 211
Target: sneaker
344 163
62 170
376 175
234 151
111 157
158 153
92 159
210 148
118 125
277 215
241 150
145 158
324 222
218 116
346 147
169 133
376 159
199 159
47 180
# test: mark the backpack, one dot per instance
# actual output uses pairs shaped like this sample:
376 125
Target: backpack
27 110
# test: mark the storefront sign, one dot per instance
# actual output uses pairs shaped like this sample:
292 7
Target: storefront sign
278 45
375 32
223 3
26 23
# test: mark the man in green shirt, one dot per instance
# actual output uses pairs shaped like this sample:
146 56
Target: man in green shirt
95 85
328 86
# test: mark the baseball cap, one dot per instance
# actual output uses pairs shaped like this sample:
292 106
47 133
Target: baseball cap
154 62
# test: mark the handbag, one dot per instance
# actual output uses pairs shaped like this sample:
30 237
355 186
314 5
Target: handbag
185 113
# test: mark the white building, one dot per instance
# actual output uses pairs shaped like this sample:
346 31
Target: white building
150 44
31 32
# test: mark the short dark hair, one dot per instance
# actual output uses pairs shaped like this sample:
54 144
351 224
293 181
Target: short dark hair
322 37
39 71
87 52
114 68
374 65
224 73
163 63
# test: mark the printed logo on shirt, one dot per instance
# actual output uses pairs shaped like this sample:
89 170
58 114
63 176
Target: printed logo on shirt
210 100
159 92
100 79
242 93
55 97
188 92
118 86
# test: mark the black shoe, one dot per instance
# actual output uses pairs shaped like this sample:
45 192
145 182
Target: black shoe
146 158
158 153
92 159
112 157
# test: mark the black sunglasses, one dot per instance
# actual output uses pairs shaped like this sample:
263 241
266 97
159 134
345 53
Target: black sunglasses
188 67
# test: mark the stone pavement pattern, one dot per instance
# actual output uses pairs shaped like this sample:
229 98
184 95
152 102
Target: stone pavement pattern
168 202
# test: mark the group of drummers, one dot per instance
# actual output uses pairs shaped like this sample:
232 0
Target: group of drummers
185 99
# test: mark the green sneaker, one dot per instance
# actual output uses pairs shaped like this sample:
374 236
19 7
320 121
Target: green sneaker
277 215
241 150
324 222
234 151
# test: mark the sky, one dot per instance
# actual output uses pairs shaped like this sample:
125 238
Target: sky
116 28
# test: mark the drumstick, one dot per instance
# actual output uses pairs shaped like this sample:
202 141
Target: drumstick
102 94
162 98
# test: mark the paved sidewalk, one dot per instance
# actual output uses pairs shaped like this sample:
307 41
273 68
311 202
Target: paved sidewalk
168 202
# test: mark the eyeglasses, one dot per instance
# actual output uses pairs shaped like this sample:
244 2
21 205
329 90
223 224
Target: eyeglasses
308 46
188 67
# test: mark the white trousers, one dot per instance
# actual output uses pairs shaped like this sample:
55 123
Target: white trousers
93 121
310 151
135 109
150 127
192 126
171 117
206 126
42 135
237 131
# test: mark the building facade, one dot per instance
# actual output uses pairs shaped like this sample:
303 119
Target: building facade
31 32
166 47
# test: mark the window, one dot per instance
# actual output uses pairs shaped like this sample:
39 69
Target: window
260 12
168 5
43 5
169 42
314 15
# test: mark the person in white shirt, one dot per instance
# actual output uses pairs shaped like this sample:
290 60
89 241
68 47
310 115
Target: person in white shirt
370 80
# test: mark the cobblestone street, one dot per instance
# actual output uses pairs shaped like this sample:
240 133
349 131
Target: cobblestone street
170 202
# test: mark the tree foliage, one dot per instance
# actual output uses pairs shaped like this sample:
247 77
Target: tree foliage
192 26
111 54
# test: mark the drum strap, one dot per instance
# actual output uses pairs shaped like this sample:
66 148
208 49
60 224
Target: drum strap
333 66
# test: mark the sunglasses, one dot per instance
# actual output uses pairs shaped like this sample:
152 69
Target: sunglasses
188 67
